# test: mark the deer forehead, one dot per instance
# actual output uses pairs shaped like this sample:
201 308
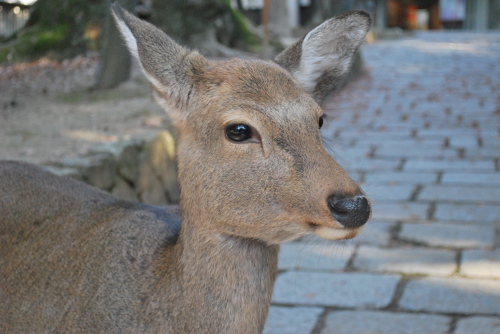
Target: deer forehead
259 89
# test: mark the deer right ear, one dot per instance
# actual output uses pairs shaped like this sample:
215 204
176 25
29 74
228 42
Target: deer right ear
169 67
323 58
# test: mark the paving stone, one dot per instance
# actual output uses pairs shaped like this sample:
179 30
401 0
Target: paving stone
291 320
481 263
399 211
369 163
478 213
377 322
374 138
394 130
324 256
415 152
393 177
459 194
491 138
478 325
397 126
350 152
446 165
481 153
333 289
449 235
452 295
381 192
402 143
485 179
375 233
412 260
469 141
449 132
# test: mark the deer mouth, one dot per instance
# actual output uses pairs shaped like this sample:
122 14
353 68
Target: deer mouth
332 233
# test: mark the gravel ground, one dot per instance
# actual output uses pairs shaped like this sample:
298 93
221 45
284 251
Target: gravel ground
47 111
44 78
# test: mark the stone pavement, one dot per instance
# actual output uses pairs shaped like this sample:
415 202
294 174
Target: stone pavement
421 132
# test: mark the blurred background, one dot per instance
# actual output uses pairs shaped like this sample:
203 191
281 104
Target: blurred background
31 29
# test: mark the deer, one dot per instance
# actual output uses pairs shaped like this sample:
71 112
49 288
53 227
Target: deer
253 171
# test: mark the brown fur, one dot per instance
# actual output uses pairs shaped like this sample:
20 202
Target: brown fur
74 259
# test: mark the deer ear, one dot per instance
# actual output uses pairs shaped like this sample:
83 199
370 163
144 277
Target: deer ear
323 58
169 67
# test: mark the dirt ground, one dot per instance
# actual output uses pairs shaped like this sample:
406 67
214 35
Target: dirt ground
47 111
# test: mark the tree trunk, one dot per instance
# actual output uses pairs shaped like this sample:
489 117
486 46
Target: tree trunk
211 26
115 61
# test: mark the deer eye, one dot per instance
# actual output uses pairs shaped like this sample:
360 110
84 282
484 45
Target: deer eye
321 120
238 132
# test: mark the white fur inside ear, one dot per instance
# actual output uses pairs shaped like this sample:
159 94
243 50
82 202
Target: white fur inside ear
328 47
128 37
319 54
312 66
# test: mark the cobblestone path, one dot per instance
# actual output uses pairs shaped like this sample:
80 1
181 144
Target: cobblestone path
421 132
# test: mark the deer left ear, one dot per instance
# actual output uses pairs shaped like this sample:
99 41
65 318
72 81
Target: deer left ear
323 58
171 69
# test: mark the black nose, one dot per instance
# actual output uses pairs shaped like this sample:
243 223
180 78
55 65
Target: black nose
351 211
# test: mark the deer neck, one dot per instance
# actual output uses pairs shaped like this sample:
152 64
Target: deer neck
225 282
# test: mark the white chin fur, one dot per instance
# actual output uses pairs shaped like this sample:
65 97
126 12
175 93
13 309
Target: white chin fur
331 233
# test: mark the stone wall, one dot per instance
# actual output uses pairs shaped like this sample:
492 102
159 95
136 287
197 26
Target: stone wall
134 170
